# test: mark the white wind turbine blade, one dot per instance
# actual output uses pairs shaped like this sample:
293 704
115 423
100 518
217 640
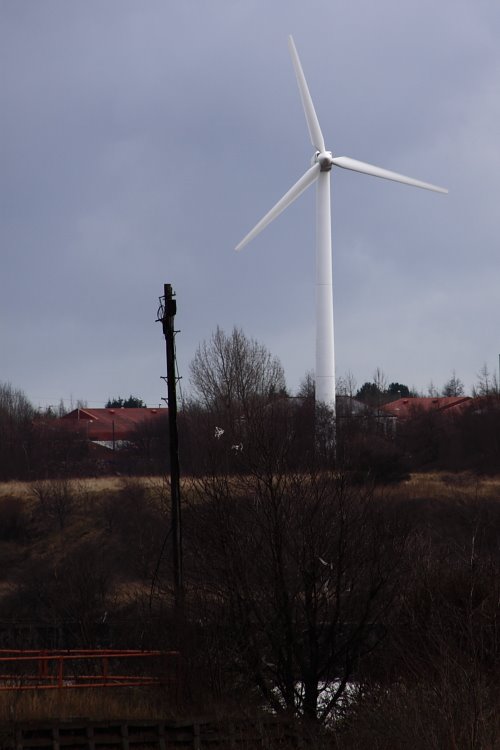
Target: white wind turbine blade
317 139
360 166
294 192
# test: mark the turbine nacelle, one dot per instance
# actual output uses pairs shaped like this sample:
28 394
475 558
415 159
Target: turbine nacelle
324 159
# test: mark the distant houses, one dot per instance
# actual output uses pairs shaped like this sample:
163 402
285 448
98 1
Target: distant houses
112 427
405 408
115 427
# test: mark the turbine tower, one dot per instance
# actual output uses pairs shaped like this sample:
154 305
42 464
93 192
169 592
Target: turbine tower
319 172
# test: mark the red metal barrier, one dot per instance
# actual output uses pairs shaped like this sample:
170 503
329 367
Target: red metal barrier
46 670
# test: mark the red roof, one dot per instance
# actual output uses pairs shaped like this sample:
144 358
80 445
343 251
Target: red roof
110 424
406 407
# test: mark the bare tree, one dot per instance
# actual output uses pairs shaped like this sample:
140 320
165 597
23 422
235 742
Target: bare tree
16 415
61 408
295 573
307 386
230 374
380 380
484 383
347 385
432 391
56 497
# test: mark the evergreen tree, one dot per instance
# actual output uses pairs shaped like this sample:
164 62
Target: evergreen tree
132 402
399 389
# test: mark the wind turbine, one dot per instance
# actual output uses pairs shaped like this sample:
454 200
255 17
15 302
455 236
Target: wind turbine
319 172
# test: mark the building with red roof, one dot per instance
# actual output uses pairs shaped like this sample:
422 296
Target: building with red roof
404 408
111 424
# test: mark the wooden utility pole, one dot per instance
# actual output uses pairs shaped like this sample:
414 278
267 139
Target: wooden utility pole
166 315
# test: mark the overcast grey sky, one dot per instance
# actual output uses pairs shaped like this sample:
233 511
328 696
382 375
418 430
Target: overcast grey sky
141 140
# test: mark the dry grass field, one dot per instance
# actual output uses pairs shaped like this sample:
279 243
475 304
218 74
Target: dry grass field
98 704
437 485
94 485
444 486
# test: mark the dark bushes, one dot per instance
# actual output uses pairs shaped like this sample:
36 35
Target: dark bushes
13 520
454 441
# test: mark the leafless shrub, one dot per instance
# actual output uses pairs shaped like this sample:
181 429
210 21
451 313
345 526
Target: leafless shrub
71 591
442 679
56 498
137 525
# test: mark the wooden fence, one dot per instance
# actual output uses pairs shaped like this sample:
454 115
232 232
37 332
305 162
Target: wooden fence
265 734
